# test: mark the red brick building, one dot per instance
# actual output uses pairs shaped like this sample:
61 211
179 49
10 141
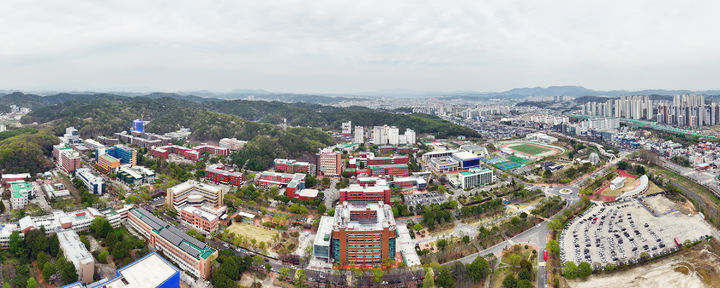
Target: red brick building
388 171
329 163
291 166
199 218
220 174
363 235
359 194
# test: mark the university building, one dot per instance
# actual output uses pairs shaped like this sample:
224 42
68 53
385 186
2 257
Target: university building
191 255
358 235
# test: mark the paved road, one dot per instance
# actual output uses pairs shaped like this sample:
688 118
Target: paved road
40 197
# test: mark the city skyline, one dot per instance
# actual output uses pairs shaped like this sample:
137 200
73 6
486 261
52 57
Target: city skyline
332 47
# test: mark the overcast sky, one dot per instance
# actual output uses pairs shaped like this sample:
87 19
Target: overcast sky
354 46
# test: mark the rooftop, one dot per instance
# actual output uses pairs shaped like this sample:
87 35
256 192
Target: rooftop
474 171
184 242
322 238
16 176
149 271
389 166
109 158
465 155
308 193
202 213
20 189
383 216
73 248
192 184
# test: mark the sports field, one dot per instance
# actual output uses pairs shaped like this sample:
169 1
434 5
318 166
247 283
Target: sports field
251 231
529 149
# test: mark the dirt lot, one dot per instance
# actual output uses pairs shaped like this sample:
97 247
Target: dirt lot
697 267
252 231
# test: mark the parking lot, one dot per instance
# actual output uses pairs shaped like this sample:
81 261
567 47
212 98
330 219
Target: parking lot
428 198
621 231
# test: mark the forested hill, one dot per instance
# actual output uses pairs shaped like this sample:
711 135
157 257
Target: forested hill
330 117
107 116
59 106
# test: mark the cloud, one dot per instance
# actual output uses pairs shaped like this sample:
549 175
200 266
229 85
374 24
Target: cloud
347 46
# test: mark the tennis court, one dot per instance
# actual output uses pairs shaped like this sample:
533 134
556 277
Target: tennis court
494 161
517 159
508 165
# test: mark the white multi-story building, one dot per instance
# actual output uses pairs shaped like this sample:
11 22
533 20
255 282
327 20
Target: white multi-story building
347 128
476 177
75 252
94 184
232 143
410 136
393 135
20 194
359 135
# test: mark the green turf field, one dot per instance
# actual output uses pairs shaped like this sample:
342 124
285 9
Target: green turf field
529 149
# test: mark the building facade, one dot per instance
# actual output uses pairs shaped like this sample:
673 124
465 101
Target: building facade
218 173
75 252
94 184
329 163
193 193
359 194
358 235
476 177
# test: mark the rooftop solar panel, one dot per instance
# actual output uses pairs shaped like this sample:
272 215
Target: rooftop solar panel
189 249
171 237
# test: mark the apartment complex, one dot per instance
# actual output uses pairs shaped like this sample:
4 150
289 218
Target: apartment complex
347 128
218 173
329 163
75 252
359 136
356 193
358 235
391 135
193 193
191 255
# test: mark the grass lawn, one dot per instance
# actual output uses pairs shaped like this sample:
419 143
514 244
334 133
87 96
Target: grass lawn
529 149
251 231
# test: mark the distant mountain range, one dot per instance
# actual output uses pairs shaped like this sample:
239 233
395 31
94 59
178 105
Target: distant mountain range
334 98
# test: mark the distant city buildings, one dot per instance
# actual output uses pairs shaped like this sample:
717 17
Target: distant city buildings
347 128
631 107
359 136
391 135
687 110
